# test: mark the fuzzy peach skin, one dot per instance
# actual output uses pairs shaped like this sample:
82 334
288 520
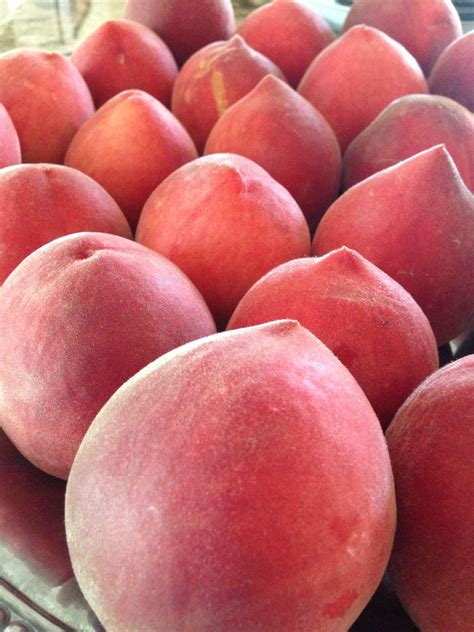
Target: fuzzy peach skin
32 516
129 146
431 444
10 150
47 100
78 317
353 79
415 221
238 484
423 27
366 318
41 202
278 129
289 32
213 79
453 73
185 25
121 55
225 222
407 126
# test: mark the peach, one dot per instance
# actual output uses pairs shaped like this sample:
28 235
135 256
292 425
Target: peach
78 317
129 146
185 25
47 100
32 517
407 126
453 73
258 494
366 318
41 202
353 79
278 129
290 33
415 221
225 222
214 78
423 27
121 55
431 443
10 150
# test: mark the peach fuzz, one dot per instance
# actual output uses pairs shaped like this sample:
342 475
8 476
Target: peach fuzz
258 494
431 444
10 150
47 100
278 129
407 126
41 202
366 318
423 27
213 79
185 25
453 73
353 79
129 146
78 317
289 32
225 222
415 221
121 55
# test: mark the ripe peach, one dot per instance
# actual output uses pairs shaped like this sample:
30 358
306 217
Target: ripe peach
278 129
10 151
353 79
47 100
129 146
423 27
41 202
258 494
185 25
214 78
225 222
290 33
407 126
453 73
366 318
121 55
415 221
78 317
431 443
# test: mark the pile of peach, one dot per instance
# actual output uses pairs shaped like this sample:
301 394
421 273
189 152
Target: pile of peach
308 197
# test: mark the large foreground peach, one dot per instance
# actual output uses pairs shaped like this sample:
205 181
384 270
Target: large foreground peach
424 27
366 318
47 99
185 25
121 55
289 32
129 146
10 150
225 222
78 317
213 79
278 129
415 221
407 126
41 202
257 496
453 73
353 79
431 443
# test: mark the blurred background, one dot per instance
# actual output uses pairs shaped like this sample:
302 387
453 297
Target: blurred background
58 24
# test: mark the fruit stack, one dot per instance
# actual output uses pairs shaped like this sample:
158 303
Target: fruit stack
231 260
